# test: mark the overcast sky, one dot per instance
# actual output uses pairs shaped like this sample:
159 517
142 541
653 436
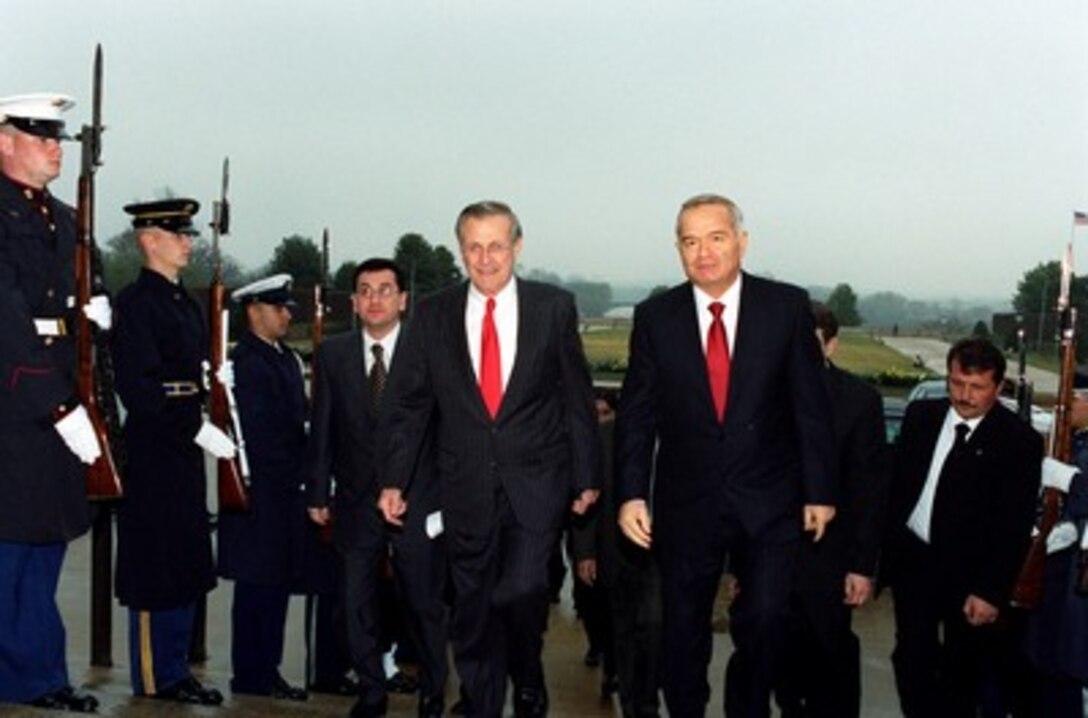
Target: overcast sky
935 148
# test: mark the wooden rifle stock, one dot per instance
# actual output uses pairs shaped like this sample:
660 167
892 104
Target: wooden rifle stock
318 332
230 473
1028 590
103 476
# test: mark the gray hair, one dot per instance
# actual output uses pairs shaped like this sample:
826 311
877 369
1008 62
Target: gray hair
489 208
735 214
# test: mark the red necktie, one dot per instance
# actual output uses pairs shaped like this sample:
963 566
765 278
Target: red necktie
490 363
717 359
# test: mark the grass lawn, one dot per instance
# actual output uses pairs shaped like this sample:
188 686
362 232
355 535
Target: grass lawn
860 353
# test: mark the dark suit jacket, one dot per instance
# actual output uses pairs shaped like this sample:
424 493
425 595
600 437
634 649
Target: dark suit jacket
853 538
343 435
984 524
542 446
774 451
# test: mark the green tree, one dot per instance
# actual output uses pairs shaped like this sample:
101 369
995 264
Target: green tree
199 272
844 303
593 298
343 276
658 289
1037 291
122 260
301 258
543 275
428 268
981 330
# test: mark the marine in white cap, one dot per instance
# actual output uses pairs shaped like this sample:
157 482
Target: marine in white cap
47 435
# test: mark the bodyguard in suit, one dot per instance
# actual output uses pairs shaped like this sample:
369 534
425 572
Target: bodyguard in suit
45 435
725 404
966 475
267 548
164 548
822 675
352 370
497 365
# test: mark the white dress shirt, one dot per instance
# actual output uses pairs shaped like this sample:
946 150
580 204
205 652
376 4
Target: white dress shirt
506 323
388 343
920 517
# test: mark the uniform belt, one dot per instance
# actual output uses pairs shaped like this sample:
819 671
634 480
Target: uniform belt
180 389
50 327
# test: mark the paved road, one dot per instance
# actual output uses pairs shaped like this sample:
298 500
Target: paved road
932 353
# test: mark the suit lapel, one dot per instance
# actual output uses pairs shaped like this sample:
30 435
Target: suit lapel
455 325
528 340
686 324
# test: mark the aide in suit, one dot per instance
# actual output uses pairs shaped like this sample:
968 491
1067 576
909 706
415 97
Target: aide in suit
741 475
823 668
509 472
351 370
960 518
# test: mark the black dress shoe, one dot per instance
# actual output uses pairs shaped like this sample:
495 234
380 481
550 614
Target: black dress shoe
67 699
190 691
401 682
284 691
342 686
432 707
530 703
361 709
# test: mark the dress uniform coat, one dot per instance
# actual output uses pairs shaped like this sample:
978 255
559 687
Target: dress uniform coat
164 553
41 480
268 544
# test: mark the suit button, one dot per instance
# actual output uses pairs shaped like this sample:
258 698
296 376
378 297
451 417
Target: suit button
493 465
48 341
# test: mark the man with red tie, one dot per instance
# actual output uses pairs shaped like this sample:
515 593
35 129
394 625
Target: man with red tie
497 365
725 405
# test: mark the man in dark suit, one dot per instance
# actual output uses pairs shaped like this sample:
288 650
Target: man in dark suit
497 364
351 372
724 402
822 675
966 476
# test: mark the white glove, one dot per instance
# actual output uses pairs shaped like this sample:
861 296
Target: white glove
1057 475
213 440
1061 536
225 374
98 311
78 434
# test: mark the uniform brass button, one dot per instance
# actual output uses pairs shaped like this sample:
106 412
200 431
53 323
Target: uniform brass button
49 341
49 293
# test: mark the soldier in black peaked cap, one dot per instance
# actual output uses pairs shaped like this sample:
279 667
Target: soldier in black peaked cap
164 553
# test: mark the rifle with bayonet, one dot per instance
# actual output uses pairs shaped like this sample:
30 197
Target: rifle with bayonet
1028 590
232 474
317 329
94 378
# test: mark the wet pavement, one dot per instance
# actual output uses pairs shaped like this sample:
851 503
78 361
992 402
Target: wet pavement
574 689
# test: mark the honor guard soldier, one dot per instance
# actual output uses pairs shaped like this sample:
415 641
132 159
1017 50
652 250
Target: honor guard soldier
164 552
267 549
46 435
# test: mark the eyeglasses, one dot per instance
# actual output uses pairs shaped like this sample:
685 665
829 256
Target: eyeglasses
385 291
